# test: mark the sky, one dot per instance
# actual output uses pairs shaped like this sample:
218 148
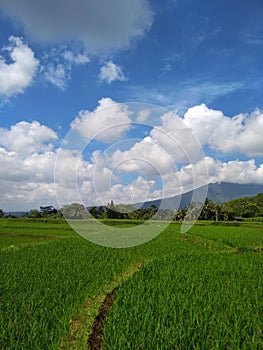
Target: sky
127 100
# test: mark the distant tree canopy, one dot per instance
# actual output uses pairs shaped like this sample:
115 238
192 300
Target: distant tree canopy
48 210
128 211
74 211
34 213
210 211
246 207
45 211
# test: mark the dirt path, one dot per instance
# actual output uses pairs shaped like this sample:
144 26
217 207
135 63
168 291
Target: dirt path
96 338
86 326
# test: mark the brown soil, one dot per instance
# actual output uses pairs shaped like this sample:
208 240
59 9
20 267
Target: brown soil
96 338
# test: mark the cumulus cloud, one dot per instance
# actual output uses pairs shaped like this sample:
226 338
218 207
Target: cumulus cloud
209 170
177 139
145 157
27 160
142 116
107 123
28 182
251 140
111 72
140 190
29 156
16 76
241 133
101 25
234 171
27 138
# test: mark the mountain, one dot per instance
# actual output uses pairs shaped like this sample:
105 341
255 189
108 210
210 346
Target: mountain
17 214
219 192
225 191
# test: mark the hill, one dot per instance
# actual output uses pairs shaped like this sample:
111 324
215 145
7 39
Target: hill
225 191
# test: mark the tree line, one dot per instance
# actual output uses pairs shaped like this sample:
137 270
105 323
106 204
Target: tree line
237 209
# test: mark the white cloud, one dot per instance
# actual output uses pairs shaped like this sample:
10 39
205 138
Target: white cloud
57 65
185 94
209 170
78 58
107 123
27 138
27 166
101 25
11 165
242 133
26 195
140 190
176 138
145 157
56 75
28 156
251 140
203 121
15 77
235 171
111 72
143 115
27 180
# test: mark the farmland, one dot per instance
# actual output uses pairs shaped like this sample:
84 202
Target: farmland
200 290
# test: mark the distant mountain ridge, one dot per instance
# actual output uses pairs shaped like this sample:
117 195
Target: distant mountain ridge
17 214
219 192
226 191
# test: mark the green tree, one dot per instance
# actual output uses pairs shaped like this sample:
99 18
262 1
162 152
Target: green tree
34 213
97 212
191 212
209 211
2 214
125 211
250 211
112 211
227 212
48 210
74 211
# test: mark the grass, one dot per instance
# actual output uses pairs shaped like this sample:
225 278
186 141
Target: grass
53 227
52 282
241 237
194 301
17 233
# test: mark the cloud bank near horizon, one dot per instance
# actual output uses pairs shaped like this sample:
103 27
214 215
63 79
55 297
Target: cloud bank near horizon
28 155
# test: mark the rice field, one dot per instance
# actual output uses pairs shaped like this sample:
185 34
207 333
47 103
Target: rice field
201 290
194 301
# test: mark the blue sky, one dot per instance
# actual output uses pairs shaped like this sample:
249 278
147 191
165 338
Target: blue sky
62 65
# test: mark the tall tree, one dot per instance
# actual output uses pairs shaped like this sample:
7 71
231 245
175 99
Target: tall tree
48 210
74 211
